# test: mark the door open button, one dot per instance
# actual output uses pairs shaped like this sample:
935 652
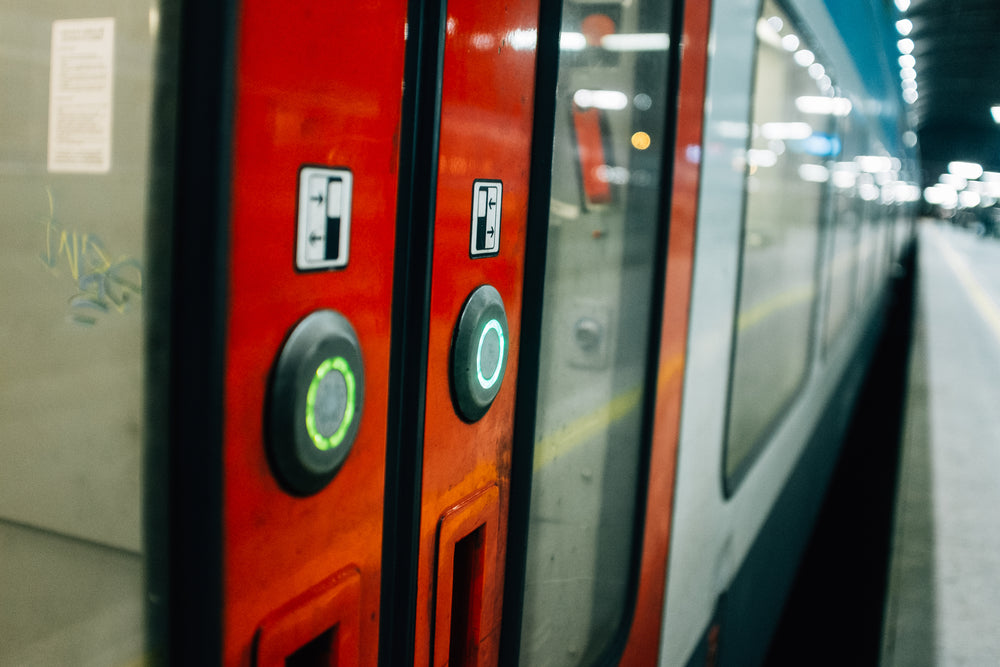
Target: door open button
330 403
479 351
317 392
490 354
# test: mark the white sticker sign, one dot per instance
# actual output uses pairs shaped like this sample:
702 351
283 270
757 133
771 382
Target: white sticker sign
487 199
80 95
323 239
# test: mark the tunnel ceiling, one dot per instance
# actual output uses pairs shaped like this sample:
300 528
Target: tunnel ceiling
957 51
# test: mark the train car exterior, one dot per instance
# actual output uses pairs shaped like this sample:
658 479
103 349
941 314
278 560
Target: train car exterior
801 237
432 333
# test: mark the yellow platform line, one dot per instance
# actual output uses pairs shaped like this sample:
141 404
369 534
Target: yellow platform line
573 434
586 426
570 436
793 297
980 298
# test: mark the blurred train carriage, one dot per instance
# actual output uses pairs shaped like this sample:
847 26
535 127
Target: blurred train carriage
434 333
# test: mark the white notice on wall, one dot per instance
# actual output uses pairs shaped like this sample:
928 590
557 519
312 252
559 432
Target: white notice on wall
80 95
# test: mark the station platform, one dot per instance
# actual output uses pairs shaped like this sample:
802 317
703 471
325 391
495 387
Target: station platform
943 599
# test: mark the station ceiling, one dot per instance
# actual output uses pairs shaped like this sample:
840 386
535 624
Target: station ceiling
956 45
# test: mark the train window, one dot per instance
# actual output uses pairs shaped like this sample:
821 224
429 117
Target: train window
77 85
850 186
881 251
788 166
610 143
842 251
868 238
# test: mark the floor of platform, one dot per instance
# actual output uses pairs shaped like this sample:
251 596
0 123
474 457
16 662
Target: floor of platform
943 603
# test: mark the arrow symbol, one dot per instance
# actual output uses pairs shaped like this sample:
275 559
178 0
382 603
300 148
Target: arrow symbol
315 238
493 203
318 198
490 231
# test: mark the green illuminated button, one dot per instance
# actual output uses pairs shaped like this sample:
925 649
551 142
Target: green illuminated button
330 403
315 402
489 355
480 347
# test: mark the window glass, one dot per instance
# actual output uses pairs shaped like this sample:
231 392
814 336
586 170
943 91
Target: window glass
788 167
610 143
868 239
843 253
77 82
882 244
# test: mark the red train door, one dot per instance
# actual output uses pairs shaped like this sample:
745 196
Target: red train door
348 242
317 105
279 332
332 296
477 265
343 333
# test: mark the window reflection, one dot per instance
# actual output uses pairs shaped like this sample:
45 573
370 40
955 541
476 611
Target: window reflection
787 168
603 227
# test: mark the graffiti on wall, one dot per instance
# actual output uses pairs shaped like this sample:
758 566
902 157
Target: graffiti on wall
105 283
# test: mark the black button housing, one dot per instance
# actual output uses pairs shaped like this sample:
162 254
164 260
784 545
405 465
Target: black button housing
479 350
315 402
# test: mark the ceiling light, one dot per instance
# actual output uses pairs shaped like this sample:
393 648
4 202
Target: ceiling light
903 5
761 157
827 106
996 113
814 173
844 175
941 196
643 41
600 99
969 170
969 199
804 57
786 130
873 164
767 31
953 181
904 26
905 46
868 192
907 61
572 41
